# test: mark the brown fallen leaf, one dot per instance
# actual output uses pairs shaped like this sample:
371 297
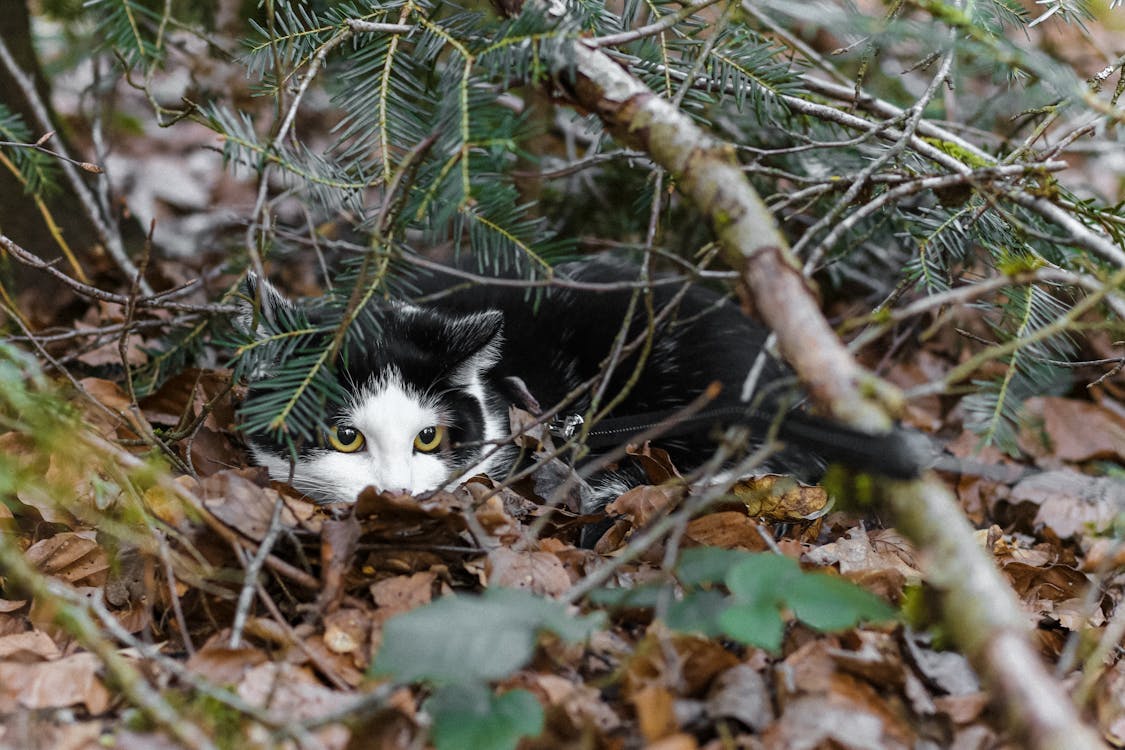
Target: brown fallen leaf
582 705
403 593
1109 704
221 665
781 498
860 551
236 497
542 573
821 705
346 631
70 681
184 396
727 529
643 504
338 539
653 705
656 462
741 693
1071 503
1077 430
74 557
293 693
31 645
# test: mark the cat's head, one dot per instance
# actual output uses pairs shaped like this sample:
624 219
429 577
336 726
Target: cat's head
416 412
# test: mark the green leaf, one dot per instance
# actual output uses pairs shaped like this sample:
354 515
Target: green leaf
699 612
700 565
470 716
826 602
645 596
762 578
754 624
462 639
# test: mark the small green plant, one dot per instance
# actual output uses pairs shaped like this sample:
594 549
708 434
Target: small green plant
760 589
459 644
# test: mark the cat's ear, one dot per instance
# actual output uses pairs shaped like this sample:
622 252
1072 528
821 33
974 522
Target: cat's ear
260 307
475 341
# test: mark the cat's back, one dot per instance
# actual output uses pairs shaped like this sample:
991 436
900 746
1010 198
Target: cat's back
559 336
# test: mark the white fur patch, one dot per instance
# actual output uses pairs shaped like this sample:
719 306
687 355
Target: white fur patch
390 415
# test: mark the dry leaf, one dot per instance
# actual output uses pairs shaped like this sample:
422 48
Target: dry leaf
235 498
71 556
741 693
1077 430
539 572
1071 503
727 529
642 505
225 666
403 593
71 681
28 646
781 498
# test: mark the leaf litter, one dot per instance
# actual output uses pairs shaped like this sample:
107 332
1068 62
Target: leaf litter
351 594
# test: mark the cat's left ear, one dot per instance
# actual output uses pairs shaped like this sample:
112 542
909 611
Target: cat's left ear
259 299
475 341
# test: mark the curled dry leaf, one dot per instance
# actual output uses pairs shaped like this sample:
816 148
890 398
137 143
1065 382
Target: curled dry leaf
74 557
781 498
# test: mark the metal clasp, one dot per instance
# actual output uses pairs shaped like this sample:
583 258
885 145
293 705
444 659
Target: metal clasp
564 427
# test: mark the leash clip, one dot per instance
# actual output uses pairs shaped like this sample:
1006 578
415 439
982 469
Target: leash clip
565 427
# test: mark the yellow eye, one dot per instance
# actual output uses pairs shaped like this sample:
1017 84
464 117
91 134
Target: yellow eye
345 439
429 439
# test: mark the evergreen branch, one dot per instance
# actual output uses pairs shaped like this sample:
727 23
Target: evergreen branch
384 98
501 231
1056 327
909 128
988 432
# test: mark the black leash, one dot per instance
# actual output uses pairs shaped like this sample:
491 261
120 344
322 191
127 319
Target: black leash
900 453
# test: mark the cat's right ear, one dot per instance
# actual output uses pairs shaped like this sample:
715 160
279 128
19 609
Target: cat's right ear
260 306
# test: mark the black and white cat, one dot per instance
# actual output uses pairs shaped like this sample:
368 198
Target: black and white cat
430 385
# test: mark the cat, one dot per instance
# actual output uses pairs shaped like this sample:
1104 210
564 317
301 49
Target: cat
430 385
